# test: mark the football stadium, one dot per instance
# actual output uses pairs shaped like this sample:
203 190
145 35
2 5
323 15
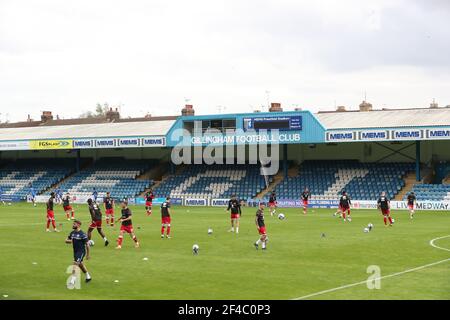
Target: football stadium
277 205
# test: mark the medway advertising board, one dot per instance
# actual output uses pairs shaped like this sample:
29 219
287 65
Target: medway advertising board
219 202
195 202
9 198
296 203
14 145
283 203
174 201
50 144
401 205
84 143
79 199
359 204
410 134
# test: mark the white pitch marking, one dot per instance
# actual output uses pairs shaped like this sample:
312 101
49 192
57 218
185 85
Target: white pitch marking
437 247
383 277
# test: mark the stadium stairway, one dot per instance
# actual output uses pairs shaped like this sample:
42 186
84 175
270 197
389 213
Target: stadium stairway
446 180
69 176
154 173
156 183
293 171
276 180
410 181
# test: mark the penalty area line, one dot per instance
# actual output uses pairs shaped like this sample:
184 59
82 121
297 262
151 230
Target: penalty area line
382 277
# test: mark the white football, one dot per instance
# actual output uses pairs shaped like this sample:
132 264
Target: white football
91 243
210 231
281 216
366 230
393 220
195 249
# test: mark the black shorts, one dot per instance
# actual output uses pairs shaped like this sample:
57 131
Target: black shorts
78 256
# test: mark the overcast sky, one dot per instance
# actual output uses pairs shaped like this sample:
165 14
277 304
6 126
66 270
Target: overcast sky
150 56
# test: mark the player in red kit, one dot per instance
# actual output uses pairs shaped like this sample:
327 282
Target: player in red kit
67 207
149 196
108 203
344 206
306 195
96 217
273 203
412 202
165 218
51 213
234 207
261 226
127 225
384 205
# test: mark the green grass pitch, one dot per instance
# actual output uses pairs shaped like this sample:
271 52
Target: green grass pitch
299 261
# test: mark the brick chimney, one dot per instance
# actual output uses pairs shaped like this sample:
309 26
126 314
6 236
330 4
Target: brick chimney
365 106
341 109
275 107
434 105
112 115
188 110
46 116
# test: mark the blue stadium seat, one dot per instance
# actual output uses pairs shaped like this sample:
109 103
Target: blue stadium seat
431 192
327 179
214 181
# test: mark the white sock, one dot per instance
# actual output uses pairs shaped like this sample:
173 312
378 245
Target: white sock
237 229
88 276
105 239
258 241
264 244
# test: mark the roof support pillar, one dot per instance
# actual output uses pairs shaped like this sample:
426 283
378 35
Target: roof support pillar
418 160
171 167
78 160
285 163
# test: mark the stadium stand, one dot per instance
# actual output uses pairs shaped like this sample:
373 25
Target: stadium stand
442 171
41 174
216 181
112 174
431 192
327 179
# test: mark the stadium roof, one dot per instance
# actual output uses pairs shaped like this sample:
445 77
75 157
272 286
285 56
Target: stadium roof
160 126
384 118
124 129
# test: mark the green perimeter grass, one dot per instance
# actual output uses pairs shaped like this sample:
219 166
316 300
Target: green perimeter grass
298 262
